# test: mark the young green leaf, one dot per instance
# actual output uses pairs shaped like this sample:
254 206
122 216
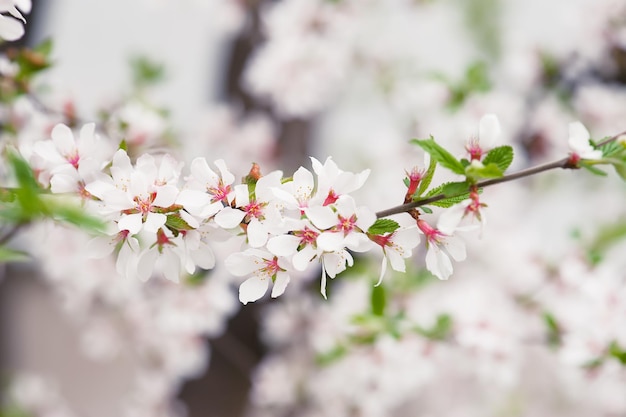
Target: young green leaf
501 156
12 255
175 222
382 226
440 331
440 155
589 167
478 171
428 177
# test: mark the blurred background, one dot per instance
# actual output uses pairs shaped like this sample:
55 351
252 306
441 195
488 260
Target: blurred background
533 323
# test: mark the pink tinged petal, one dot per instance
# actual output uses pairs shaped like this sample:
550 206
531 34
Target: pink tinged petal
252 289
257 233
322 217
283 245
154 221
302 259
130 222
166 196
229 217
63 139
280 284
227 177
241 264
489 131
330 241
456 248
10 29
146 263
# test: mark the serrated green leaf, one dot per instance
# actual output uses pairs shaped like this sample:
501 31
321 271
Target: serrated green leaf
441 155
382 226
501 156
12 255
428 177
458 191
477 171
175 222
611 148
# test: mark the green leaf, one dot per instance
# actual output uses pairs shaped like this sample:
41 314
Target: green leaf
479 170
617 352
501 156
441 330
589 167
333 355
426 210
553 328
457 192
440 155
27 194
145 71
378 300
12 255
620 169
428 177
175 222
382 226
69 212
607 236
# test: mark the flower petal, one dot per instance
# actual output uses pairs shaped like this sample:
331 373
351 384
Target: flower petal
252 289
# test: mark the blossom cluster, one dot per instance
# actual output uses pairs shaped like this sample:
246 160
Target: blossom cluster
161 221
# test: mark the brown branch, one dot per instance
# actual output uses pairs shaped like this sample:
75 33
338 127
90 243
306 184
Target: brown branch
564 163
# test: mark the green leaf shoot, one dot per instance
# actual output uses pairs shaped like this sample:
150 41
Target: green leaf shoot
501 156
440 155
428 177
382 226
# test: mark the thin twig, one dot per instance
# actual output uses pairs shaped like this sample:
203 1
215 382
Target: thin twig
563 163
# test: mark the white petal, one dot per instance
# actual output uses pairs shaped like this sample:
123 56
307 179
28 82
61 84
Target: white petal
438 262
240 264
280 284
302 259
154 221
383 270
10 29
450 219
322 217
166 196
330 241
227 177
203 256
130 222
257 233
396 261
229 218
100 246
489 131
146 263
63 139
283 245
456 248
252 289
578 137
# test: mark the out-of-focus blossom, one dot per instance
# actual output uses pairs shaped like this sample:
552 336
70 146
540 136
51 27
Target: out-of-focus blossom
12 28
